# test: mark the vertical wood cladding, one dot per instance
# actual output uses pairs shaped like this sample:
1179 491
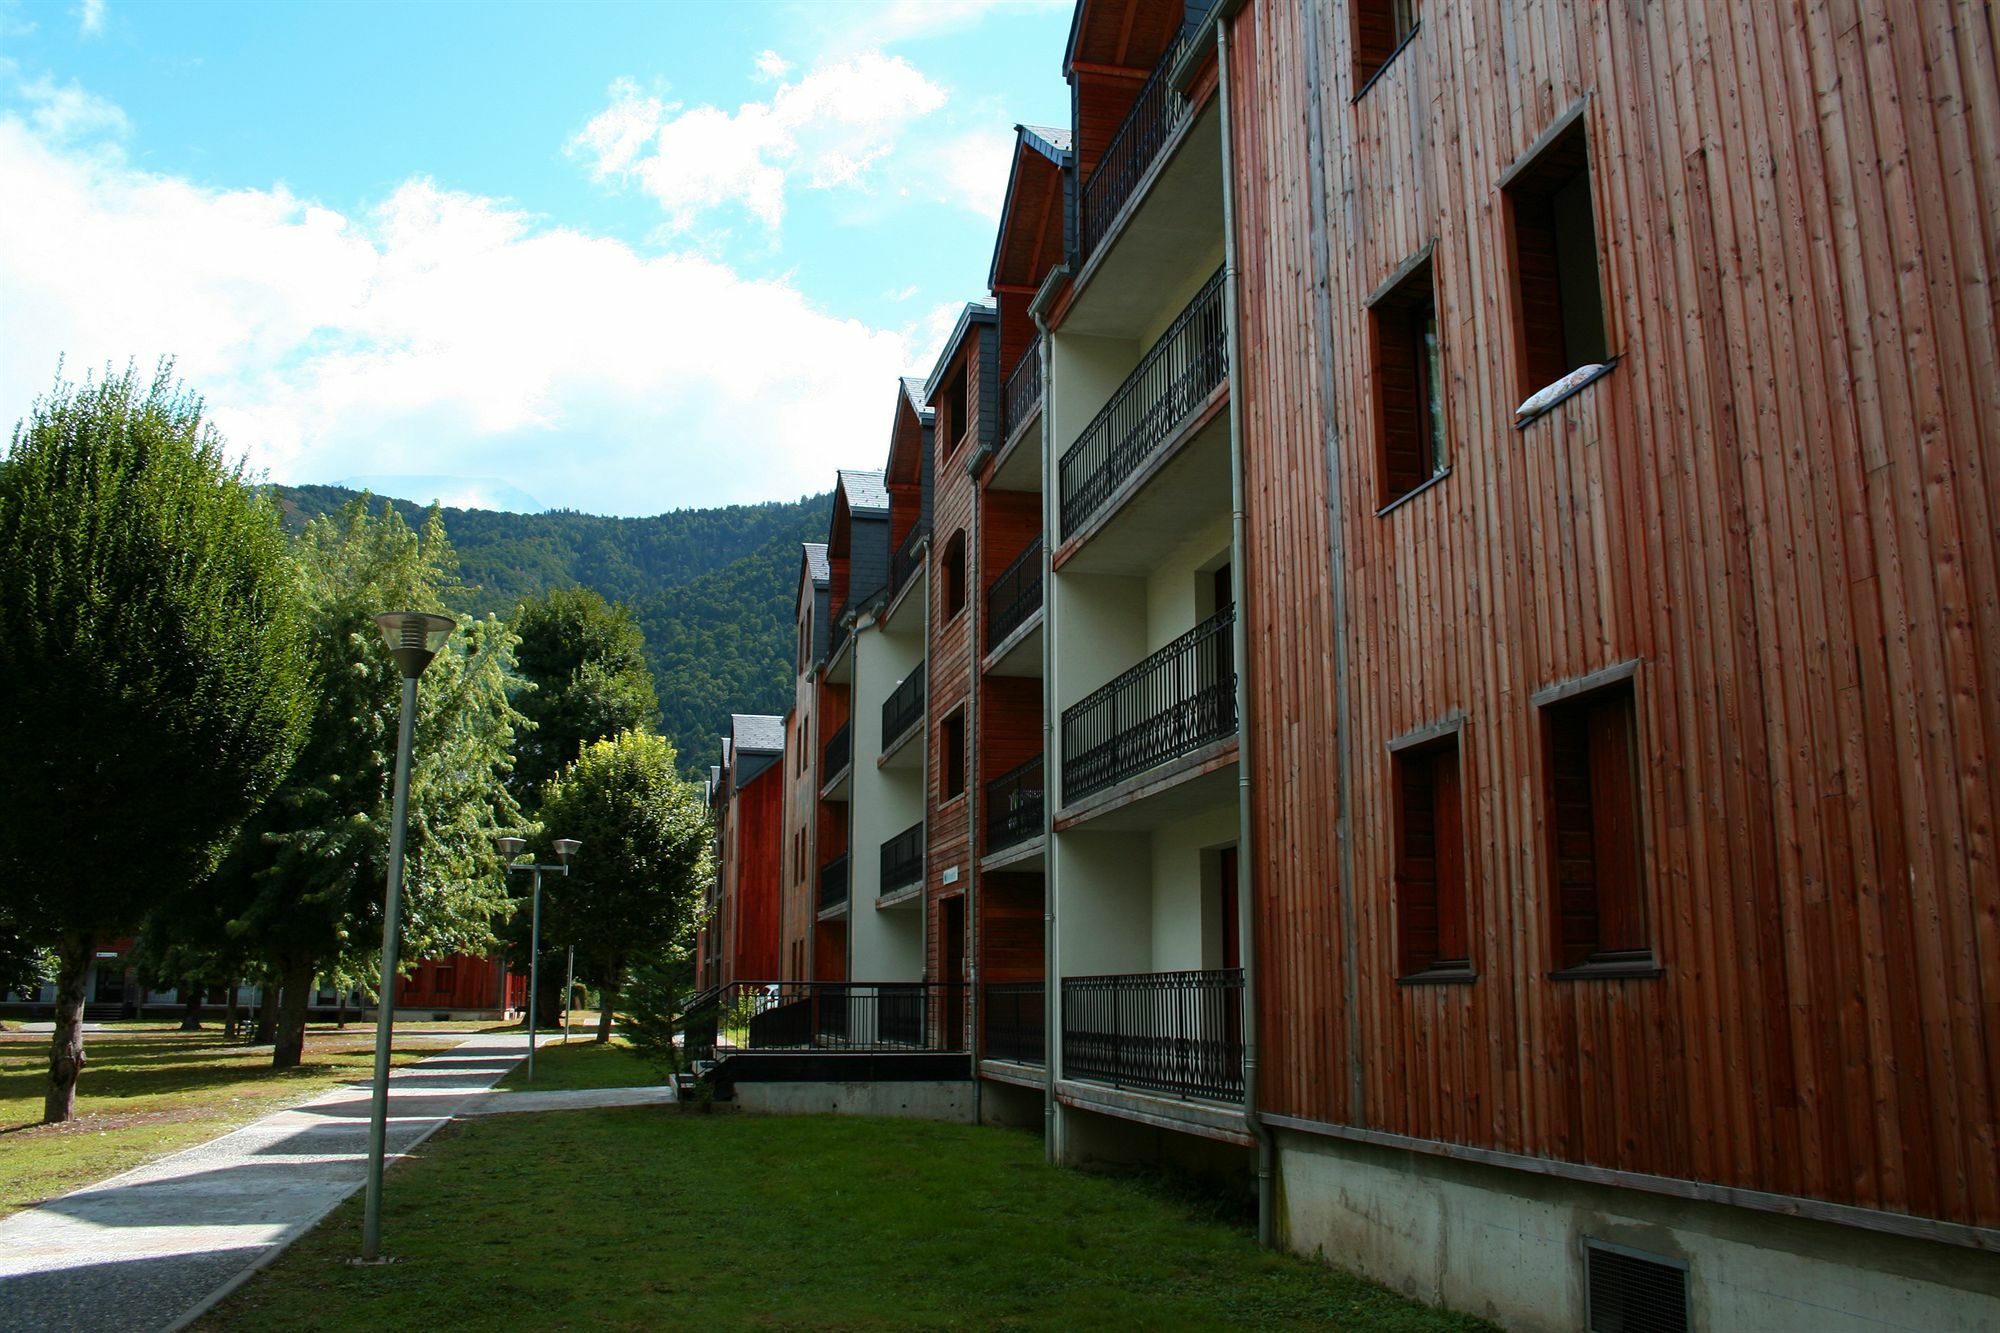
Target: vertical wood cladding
1008 522
758 856
1010 927
1010 725
1781 503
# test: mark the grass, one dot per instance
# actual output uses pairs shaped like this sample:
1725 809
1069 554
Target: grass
648 1218
582 1063
148 1090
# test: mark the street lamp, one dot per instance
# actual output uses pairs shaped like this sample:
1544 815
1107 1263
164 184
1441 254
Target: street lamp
413 639
511 848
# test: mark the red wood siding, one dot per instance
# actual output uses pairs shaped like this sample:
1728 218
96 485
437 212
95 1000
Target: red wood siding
460 981
950 665
755 872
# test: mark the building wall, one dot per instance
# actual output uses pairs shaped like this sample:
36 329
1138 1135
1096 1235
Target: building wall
758 863
884 945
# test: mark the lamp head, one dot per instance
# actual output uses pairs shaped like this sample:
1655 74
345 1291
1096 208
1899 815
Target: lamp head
566 848
511 848
414 638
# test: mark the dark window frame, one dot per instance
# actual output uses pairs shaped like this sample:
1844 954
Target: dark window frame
1555 260
953 757
954 576
1406 379
1438 885
1594 803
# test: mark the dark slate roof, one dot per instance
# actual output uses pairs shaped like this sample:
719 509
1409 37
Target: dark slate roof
913 389
866 492
816 562
1048 140
757 731
975 312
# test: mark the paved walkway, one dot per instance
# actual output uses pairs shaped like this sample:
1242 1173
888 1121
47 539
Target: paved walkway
142 1250
591 1099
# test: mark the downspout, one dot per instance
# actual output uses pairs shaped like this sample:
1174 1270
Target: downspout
1240 645
1038 310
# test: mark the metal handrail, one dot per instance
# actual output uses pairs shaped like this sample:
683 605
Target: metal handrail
1015 595
1169 384
1023 390
903 860
1172 703
838 754
1015 1017
1178 1033
906 560
1014 805
1157 111
844 1016
904 707
833 882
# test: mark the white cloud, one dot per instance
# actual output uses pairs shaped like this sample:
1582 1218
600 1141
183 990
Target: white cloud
90 17
970 171
771 65
887 22
826 130
439 333
69 112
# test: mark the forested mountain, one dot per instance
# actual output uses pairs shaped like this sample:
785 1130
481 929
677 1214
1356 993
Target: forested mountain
712 588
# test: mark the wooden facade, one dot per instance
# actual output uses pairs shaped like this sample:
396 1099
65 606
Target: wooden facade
1772 522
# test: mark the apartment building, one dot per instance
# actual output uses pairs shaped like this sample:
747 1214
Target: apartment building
741 936
1456 651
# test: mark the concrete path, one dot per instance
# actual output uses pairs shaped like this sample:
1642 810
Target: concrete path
500 1103
144 1250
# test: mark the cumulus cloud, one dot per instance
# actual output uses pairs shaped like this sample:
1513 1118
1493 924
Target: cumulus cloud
827 129
970 171
436 333
90 17
771 65
69 112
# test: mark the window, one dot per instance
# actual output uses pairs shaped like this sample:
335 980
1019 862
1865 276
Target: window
1593 820
1409 385
1431 924
443 978
954 421
805 641
951 758
954 575
1380 29
1558 306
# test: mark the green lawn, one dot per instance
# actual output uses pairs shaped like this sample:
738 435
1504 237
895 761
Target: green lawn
148 1090
582 1063
649 1218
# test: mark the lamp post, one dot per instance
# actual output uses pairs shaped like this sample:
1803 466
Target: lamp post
569 993
413 639
511 848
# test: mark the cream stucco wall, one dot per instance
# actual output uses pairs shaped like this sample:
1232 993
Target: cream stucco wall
884 945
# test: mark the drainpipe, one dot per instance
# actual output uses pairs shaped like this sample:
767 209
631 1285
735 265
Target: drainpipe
1038 310
1240 646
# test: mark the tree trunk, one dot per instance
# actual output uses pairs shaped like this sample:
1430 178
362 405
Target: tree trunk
290 1046
607 1000
548 1004
191 1018
267 1010
73 956
231 1019
340 1014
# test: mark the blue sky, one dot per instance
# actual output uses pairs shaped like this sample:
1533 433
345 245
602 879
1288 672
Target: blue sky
621 258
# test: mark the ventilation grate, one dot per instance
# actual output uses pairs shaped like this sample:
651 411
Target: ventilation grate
1630 1292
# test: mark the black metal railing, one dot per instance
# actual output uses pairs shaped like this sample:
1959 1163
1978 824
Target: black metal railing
837 755
907 557
1014 596
1179 1033
903 860
841 1016
700 1014
1157 111
1171 381
1014 806
1015 1014
1176 701
904 707
1023 391
835 638
833 882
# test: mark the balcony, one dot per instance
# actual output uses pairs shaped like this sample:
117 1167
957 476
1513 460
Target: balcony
1176 701
1168 386
1022 393
837 756
836 639
1015 1019
1157 112
833 883
1014 806
908 558
847 1016
903 861
904 707
1179 1034
1015 596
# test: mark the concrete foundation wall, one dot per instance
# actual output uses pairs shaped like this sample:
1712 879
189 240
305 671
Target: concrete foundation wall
951 1101
1011 1105
1508 1245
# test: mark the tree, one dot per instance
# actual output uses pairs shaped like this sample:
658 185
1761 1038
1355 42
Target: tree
153 684
586 661
306 880
634 890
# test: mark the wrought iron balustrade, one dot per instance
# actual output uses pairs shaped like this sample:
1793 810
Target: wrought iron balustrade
878 1016
904 707
903 860
1173 703
1157 112
1169 384
1014 806
838 754
1023 391
833 882
1015 595
1015 1014
907 558
1178 1033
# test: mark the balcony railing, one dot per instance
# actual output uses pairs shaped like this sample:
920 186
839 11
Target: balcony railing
1014 596
835 638
903 860
1023 390
837 1016
1171 381
907 557
838 754
1014 806
833 882
1015 1017
1178 1033
904 707
1173 703
1157 111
